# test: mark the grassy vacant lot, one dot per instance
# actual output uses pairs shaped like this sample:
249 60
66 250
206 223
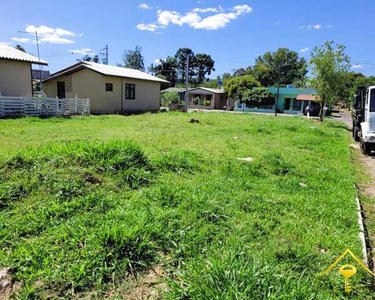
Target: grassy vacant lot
120 207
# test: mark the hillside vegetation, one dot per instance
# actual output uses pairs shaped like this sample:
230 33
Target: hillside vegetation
94 207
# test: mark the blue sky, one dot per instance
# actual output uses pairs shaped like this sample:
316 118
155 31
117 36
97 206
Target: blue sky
233 32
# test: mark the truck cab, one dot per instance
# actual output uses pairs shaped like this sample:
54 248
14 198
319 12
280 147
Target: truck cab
363 116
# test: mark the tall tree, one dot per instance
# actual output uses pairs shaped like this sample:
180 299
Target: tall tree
283 66
19 47
166 67
242 71
329 66
133 59
203 65
181 56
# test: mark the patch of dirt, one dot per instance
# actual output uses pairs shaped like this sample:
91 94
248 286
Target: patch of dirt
147 286
8 285
368 163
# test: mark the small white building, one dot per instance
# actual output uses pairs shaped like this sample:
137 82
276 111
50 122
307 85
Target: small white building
110 89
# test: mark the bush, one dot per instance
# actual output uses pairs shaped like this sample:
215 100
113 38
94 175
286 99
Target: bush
170 98
258 97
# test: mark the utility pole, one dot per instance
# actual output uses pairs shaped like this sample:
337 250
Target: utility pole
187 83
40 65
105 54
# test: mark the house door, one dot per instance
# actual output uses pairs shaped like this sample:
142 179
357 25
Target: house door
287 104
60 89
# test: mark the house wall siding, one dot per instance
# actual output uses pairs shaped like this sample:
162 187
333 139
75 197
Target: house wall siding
15 78
147 95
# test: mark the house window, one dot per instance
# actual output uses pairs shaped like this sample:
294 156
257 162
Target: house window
129 91
109 87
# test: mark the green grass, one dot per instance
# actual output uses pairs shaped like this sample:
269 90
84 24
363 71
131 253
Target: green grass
87 204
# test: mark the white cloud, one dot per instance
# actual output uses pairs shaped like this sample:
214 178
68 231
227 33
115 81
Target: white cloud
157 61
304 49
82 51
166 17
357 66
278 22
21 40
144 6
148 27
52 35
205 10
315 26
217 19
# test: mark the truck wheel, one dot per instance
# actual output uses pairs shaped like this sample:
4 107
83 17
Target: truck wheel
365 148
355 133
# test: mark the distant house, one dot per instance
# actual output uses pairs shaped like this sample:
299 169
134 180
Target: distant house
202 98
291 101
207 98
16 72
110 89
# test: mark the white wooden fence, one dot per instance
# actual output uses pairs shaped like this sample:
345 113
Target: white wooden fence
25 106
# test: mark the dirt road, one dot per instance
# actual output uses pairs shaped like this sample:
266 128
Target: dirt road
368 162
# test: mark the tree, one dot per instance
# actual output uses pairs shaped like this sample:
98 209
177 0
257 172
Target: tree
226 76
242 71
180 57
238 87
19 47
170 97
96 59
166 67
258 97
86 58
133 59
203 65
330 66
283 67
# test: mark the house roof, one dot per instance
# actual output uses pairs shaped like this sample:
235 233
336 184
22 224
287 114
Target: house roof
10 53
106 70
174 89
183 90
214 91
291 91
307 97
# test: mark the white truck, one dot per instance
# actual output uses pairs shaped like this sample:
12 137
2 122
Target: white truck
363 116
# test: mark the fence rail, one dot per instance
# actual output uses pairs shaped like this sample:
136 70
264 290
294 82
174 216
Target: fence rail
25 106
